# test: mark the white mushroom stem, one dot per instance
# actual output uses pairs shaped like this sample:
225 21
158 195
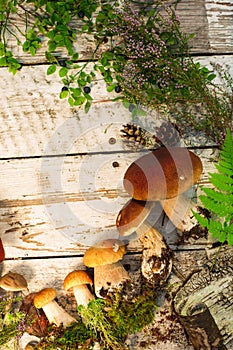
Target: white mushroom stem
82 294
156 260
108 277
57 315
179 211
146 231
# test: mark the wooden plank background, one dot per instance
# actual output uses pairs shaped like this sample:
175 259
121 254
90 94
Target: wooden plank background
60 190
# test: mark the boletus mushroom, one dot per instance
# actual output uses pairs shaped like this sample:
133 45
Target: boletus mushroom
162 174
156 255
109 273
165 175
55 313
76 282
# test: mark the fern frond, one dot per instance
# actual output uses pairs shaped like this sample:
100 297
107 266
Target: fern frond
201 219
219 200
227 148
222 182
217 196
230 235
221 209
224 168
215 227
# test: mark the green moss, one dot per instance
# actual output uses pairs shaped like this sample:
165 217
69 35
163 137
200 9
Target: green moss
71 338
107 321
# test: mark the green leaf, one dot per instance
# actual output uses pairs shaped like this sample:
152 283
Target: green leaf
26 45
64 94
75 56
88 96
71 101
75 92
52 46
32 50
211 77
3 62
87 106
63 71
230 238
51 69
79 101
110 88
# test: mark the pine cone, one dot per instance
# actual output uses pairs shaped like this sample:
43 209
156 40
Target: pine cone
168 134
134 133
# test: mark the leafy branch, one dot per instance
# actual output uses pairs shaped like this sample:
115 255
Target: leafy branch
218 200
139 50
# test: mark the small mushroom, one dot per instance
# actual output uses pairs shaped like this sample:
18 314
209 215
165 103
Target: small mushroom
108 271
38 325
76 282
162 174
13 282
54 312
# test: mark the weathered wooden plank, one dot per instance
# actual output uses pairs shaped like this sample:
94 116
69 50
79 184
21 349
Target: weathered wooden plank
210 21
35 122
59 205
48 180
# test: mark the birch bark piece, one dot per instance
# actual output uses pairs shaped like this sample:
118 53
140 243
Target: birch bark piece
212 286
202 329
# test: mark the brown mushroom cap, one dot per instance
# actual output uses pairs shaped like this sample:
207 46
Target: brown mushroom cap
13 282
132 215
106 252
163 173
44 297
76 278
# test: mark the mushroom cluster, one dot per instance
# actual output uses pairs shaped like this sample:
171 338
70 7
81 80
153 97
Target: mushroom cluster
162 175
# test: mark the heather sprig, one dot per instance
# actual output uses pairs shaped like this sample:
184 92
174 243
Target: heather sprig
13 324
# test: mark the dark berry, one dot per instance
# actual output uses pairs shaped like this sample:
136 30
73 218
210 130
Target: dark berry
118 89
81 14
105 40
87 89
65 88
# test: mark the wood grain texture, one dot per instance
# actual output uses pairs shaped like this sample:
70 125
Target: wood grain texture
58 205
